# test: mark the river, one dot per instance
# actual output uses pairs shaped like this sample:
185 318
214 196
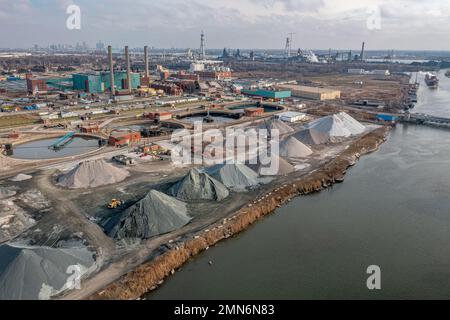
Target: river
435 102
393 211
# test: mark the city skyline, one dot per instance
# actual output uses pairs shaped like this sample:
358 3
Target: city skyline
265 24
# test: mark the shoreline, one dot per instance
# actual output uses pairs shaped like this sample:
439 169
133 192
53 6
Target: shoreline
148 276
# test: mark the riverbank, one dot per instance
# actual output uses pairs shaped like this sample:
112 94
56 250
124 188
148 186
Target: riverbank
150 275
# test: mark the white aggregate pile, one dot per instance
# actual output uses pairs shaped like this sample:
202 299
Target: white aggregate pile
21 177
91 174
276 124
38 273
293 148
234 176
199 186
330 129
154 215
6 193
353 125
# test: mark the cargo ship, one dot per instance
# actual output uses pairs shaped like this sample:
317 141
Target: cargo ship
431 80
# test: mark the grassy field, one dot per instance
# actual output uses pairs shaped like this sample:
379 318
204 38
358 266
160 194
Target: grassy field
18 120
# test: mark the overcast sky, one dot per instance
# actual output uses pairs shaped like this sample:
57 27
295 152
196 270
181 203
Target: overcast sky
265 24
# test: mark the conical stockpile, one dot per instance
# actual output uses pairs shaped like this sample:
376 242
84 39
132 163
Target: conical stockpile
154 215
91 174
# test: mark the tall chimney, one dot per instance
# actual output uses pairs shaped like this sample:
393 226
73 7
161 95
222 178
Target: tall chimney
147 73
111 71
362 51
127 58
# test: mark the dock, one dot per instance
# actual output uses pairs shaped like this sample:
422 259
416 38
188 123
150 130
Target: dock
424 119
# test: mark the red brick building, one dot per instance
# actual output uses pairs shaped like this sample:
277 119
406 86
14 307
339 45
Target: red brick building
168 87
182 75
159 116
90 128
215 75
120 139
35 85
254 112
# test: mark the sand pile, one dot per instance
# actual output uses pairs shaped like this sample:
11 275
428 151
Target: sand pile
21 177
276 124
330 129
234 176
199 186
6 193
292 148
283 168
32 273
91 174
154 215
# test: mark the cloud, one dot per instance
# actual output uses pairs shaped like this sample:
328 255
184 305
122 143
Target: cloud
229 23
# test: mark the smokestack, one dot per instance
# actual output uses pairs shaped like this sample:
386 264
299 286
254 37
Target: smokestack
111 71
127 58
147 73
362 51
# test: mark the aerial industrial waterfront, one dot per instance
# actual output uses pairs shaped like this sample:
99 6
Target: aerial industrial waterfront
138 172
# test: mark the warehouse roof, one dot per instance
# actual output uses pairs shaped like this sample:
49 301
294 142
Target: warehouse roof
306 88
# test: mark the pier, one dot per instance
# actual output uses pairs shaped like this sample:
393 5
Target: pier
424 119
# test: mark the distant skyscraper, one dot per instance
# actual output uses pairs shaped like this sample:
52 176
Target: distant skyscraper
202 46
100 46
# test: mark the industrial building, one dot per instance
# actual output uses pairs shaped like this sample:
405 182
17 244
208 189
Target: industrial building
168 87
35 85
100 82
122 138
268 94
312 93
254 112
291 116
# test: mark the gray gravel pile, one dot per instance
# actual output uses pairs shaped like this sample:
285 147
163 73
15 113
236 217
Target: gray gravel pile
234 176
199 186
283 168
293 148
312 137
276 124
91 174
6 193
154 215
38 273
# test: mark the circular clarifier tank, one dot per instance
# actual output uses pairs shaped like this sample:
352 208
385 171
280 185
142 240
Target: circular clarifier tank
40 149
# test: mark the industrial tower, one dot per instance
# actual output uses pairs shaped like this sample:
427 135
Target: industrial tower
288 48
202 46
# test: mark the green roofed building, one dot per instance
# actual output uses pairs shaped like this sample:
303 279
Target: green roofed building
99 82
268 94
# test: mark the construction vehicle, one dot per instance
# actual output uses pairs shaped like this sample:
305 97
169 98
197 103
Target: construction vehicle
114 204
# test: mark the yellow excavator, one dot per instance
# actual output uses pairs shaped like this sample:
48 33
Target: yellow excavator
114 204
